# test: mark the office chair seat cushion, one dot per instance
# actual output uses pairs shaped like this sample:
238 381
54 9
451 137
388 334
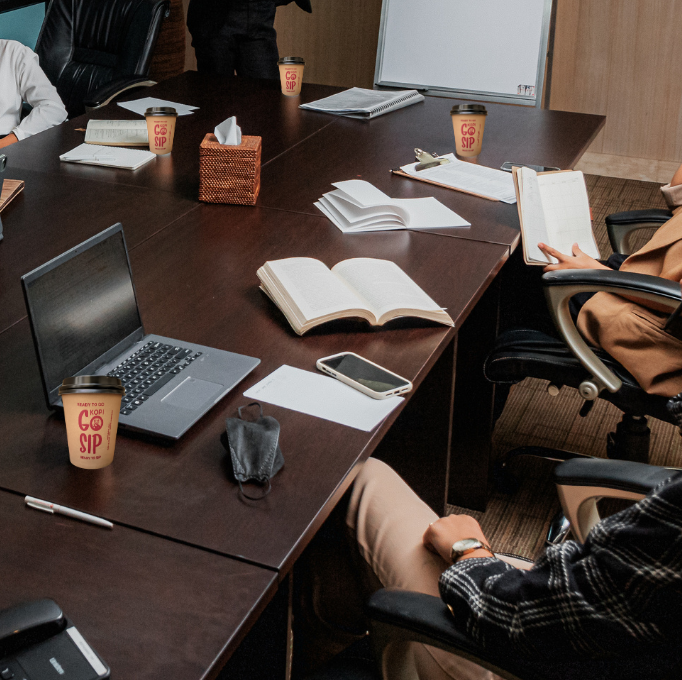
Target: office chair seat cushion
527 353
639 216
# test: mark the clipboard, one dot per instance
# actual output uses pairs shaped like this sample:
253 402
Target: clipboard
398 171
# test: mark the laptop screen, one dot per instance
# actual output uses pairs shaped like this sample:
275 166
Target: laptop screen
81 305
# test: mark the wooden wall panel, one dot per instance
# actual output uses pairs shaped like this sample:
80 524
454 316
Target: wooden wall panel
338 40
623 60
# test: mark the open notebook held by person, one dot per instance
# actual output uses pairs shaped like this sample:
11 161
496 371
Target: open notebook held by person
632 330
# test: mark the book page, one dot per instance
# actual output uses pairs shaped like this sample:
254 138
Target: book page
534 227
567 212
384 285
314 289
124 132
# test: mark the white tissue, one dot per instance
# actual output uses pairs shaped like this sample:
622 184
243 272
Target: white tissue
228 132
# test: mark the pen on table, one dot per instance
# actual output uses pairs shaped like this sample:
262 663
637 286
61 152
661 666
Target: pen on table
46 506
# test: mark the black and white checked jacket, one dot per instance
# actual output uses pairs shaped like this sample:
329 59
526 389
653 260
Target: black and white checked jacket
619 594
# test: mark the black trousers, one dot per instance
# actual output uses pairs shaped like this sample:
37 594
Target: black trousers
231 36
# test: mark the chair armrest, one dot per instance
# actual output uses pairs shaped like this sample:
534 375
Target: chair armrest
106 93
563 284
620 225
581 482
409 616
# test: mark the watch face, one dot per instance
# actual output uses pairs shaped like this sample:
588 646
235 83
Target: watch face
466 544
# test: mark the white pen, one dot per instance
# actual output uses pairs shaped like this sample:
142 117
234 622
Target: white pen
46 506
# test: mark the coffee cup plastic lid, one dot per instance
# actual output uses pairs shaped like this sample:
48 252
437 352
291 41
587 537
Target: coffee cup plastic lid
161 111
79 384
291 60
478 109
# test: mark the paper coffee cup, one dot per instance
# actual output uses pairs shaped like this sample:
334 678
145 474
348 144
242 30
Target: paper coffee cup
91 407
161 128
291 75
468 122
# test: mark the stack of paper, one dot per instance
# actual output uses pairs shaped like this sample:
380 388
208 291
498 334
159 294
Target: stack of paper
358 206
141 105
111 156
467 177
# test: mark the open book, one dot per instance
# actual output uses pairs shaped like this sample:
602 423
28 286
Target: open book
553 209
358 206
360 103
310 294
117 132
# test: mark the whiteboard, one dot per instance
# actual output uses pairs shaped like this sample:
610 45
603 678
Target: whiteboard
493 49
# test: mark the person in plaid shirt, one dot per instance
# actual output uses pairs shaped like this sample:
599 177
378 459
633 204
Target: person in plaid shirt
612 606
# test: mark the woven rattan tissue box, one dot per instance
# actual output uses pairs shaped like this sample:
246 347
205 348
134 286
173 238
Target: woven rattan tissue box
229 174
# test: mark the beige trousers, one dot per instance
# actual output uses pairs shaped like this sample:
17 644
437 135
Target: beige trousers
388 520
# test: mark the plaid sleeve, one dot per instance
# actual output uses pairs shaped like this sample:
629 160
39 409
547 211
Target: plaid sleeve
621 590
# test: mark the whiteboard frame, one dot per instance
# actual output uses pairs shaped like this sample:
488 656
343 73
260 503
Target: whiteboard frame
504 98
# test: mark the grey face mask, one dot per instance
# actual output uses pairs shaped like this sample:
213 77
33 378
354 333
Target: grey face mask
254 449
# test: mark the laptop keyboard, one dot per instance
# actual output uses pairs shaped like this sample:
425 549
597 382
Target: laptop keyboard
146 371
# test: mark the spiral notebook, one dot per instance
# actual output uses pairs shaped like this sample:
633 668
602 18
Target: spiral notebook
360 103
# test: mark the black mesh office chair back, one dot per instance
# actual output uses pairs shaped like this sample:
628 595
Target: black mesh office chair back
92 50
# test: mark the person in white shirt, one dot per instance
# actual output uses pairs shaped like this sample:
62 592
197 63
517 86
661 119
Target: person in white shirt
22 79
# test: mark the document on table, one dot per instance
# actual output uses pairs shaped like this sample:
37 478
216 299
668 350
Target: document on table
318 395
110 156
357 206
141 105
464 176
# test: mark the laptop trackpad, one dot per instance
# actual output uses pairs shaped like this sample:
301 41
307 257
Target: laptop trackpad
192 394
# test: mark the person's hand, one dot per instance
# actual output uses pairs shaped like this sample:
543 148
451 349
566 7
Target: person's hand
442 533
10 139
578 260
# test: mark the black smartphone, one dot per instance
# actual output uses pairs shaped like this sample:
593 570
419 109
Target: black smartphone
507 167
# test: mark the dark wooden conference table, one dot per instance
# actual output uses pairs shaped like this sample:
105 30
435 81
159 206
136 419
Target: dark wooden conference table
194 269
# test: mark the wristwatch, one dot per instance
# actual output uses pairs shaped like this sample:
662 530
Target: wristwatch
465 546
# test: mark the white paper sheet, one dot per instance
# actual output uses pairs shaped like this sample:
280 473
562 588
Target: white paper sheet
141 105
468 177
323 397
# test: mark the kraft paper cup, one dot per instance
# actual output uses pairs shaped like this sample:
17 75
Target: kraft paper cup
91 407
161 128
468 122
291 75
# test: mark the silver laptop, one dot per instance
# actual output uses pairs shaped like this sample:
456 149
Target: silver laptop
85 321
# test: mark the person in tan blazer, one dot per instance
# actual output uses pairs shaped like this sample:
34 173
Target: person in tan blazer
631 330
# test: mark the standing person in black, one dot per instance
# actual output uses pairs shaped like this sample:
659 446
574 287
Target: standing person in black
239 36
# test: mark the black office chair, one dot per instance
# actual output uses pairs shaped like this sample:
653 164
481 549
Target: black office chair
92 50
522 353
401 616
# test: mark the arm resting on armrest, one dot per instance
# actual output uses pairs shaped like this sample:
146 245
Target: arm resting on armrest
561 285
106 93
620 225
405 615
581 482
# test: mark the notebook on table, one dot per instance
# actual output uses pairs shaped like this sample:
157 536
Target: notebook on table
84 318
361 103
